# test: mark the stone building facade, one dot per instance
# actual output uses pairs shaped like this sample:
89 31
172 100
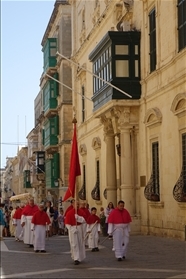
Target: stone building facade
132 148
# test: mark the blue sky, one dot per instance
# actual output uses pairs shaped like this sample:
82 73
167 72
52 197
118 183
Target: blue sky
23 24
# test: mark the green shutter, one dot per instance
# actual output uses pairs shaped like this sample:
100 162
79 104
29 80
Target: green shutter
26 175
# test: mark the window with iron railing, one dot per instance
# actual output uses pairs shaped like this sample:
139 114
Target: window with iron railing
82 192
152 39
83 103
181 24
95 194
152 189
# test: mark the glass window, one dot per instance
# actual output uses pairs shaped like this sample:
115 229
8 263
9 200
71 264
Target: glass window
155 167
109 51
53 52
110 69
136 49
152 40
184 161
136 68
181 24
122 68
122 49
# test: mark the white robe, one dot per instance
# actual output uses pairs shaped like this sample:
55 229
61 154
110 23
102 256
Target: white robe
18 228
120 234
84 227
76 239
93 237
28 236
39 236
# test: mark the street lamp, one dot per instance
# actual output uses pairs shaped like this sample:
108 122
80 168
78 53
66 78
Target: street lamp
57 182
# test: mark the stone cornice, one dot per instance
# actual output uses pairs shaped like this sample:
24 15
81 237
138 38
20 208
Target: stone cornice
95 29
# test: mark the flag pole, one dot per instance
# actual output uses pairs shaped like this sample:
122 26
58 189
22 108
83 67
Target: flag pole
74 121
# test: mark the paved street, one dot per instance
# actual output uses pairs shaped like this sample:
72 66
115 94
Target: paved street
148 257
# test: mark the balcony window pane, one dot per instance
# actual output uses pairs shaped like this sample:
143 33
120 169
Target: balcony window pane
136 49
136 69
122 49
110 69
122 68
53 52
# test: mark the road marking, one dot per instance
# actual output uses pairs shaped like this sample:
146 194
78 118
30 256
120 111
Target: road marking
53 271
4 248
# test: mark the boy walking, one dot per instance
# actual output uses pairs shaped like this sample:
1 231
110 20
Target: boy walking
93 229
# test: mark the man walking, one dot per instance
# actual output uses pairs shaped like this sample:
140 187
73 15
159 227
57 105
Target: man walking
39 222
26 218
119 226
73 221
17 222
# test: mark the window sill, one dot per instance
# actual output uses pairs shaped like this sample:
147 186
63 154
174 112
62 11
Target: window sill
99 202
156 204
182 205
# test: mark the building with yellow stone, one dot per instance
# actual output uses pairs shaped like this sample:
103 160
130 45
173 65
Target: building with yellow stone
132 147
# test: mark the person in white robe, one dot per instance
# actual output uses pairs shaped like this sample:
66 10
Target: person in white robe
73 221
119 226
17 223
93 230
26 218
39 223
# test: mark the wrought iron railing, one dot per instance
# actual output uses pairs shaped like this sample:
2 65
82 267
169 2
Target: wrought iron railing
179 191
105 193
82 193
149 191
95 193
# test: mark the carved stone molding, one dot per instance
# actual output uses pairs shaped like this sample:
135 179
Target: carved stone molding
156 204
96 13
124 119
83 149
118 12
81 71
107 122
96 143
179 105
153 117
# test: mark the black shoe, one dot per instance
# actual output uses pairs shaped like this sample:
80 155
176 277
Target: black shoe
96 249
43 251
31 246
119 259
36 251
123 257
110 237
76 262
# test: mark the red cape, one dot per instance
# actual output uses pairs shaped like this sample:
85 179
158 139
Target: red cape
86 212
92 219
40 218
18 213
70 217
29 210
68 209
119 216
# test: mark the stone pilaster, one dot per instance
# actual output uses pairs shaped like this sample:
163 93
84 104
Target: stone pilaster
111 184
127 193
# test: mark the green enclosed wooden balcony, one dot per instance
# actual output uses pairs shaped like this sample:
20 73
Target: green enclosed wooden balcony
26 181
50 93
50 133
52 171
49 55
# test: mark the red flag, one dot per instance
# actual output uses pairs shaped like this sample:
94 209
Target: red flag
74 168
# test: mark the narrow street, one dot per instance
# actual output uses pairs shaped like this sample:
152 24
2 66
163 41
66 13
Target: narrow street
148 257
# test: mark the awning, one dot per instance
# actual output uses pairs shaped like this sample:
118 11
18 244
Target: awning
21 197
